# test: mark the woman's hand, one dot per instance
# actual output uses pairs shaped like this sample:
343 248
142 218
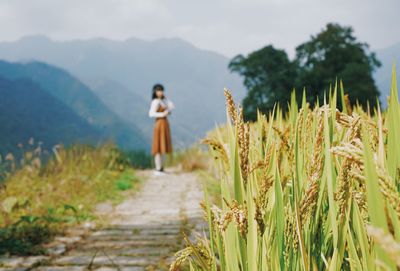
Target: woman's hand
166 112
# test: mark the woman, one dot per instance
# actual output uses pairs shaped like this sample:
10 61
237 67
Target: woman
160 108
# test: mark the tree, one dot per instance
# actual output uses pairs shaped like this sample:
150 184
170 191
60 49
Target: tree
268 76
334 54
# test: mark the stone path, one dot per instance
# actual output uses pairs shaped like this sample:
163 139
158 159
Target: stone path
145 230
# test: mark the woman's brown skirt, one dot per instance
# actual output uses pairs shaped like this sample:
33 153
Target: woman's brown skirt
161 137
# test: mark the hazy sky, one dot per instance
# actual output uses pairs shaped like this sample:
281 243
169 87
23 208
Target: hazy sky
226 26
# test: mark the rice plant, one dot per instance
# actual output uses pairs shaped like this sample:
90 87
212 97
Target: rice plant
316 189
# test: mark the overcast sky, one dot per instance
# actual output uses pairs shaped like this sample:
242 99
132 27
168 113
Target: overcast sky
226 26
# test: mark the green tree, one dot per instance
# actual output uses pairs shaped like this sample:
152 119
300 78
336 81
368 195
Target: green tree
268 76
334 54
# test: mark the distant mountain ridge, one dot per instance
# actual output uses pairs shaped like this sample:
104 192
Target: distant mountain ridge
72 94
27 111
194 78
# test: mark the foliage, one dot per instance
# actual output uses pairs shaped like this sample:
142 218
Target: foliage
335 52
317 190
269 75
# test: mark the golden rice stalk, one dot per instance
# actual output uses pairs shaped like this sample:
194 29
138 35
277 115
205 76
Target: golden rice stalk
389 189
283 135
354 131
359 191
243 133
267 158
244 145
258 165
351 151
198 252
344 188
386 242
309 200
219 149
203 207
265 184
291 240
221 219
259 217
343 119
181 257
239 213
316 162
230 106
307 139
261 201
386 183
347 104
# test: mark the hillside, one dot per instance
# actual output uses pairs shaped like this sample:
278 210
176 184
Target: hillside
128 105
74 94
26 111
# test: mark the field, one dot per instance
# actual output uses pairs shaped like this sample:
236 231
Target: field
314 189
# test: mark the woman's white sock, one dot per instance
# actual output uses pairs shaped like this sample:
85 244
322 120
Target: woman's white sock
158 161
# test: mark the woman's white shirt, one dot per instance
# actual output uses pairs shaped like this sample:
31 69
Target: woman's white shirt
155 103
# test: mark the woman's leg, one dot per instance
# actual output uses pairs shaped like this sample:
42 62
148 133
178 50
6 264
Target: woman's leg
158 161
162 161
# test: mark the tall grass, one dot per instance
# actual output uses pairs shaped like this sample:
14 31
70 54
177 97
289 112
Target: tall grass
190 159
317 189
40 198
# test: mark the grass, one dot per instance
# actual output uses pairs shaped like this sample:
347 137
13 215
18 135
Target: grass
126 181
138 159
316 189
193 158
39 199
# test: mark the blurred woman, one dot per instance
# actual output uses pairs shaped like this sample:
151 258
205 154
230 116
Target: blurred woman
160 108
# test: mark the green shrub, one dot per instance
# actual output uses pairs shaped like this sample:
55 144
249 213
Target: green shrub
138 159
126 181
25 238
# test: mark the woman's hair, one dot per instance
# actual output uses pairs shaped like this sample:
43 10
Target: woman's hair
155 88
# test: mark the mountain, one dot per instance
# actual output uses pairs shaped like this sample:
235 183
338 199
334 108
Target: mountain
127 104
26 111
383 76
194 79
77 96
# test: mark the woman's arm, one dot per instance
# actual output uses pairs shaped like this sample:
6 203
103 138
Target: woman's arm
170 105
153 110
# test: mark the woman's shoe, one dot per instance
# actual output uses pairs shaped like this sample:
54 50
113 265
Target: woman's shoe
158 173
